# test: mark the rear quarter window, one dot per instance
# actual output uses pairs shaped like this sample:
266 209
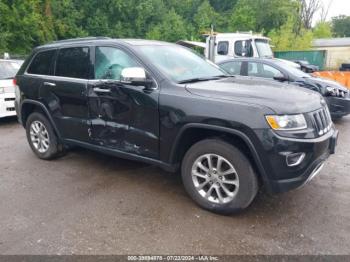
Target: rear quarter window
42 62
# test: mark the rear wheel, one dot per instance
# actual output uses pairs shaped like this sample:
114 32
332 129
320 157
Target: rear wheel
42 138
219 177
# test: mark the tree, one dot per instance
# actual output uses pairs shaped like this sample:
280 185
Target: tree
205 17
171 29
286 39
308 10
341 26
322 30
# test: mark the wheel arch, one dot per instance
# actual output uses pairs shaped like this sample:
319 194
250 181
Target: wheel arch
30 106
193 133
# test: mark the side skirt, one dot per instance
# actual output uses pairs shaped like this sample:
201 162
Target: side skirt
124 155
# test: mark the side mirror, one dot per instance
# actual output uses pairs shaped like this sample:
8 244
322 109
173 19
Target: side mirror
280 78
135 76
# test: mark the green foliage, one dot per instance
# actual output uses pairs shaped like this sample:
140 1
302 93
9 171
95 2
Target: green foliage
322 30
171 29
341 26
286 38
25 24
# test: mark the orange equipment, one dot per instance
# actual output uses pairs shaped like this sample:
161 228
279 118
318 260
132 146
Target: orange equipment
341 77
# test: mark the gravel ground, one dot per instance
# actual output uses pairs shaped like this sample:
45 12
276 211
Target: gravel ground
88 203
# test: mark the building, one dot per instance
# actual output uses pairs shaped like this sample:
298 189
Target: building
337 51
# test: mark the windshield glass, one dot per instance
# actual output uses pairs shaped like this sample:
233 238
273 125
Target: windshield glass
292 70
180 64
8 69
263 47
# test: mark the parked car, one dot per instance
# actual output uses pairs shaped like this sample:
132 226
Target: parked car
8 70
306 67
344 67
163 104
336 95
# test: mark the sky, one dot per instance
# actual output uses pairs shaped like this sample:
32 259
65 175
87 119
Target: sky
337 7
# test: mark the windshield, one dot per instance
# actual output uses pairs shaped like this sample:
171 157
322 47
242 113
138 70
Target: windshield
292 70
263 48
8 69
180 64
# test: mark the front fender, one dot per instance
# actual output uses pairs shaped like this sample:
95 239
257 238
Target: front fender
225 130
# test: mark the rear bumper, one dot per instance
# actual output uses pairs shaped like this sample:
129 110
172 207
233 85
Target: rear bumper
338 107
280 176
7 105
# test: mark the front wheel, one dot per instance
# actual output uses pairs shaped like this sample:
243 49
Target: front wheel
219 177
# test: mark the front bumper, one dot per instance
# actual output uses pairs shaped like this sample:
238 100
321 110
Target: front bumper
338 107
279 176
7 105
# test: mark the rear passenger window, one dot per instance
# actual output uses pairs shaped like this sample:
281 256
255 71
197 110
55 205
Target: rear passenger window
41 64
74 62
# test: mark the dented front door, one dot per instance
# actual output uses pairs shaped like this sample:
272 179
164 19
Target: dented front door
123 117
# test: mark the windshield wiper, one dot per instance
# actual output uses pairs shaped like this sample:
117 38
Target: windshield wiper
199 79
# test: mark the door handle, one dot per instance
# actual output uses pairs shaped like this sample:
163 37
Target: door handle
49 84
101 90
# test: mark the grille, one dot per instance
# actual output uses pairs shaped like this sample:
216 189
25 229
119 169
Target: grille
322 121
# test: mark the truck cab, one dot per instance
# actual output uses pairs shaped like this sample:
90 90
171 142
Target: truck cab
222 46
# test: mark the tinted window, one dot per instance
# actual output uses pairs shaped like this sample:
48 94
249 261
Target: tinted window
244 48
223 48
111 61
262 70
233 68
73 62
8 69
41 64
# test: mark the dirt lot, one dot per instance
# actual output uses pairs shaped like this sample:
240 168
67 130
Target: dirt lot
87 203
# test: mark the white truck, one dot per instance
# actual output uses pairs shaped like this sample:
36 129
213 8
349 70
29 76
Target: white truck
223 46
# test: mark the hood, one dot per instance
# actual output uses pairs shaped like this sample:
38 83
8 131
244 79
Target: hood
281 98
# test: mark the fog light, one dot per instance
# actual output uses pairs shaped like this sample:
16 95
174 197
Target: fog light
294 159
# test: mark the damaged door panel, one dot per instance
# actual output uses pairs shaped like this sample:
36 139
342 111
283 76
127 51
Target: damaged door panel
123 117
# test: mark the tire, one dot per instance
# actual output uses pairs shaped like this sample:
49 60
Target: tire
48 147
246 183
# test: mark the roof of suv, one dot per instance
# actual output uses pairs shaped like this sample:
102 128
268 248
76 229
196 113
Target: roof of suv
133 42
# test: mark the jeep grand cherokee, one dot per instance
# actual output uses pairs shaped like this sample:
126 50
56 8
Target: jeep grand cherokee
163 104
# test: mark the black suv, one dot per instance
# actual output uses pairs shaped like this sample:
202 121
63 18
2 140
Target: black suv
162 104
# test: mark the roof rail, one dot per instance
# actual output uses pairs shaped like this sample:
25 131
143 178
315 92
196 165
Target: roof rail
80 39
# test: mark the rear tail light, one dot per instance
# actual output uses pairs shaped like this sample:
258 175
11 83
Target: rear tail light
14 81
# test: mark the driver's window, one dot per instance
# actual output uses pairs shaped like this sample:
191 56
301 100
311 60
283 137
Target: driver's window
110 62
270 72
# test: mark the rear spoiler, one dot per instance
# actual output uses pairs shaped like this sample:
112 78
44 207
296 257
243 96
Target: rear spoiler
191 44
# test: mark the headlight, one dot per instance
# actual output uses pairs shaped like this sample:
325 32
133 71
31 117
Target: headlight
286 122
331 91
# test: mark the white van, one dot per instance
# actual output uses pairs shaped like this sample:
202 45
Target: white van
8 70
